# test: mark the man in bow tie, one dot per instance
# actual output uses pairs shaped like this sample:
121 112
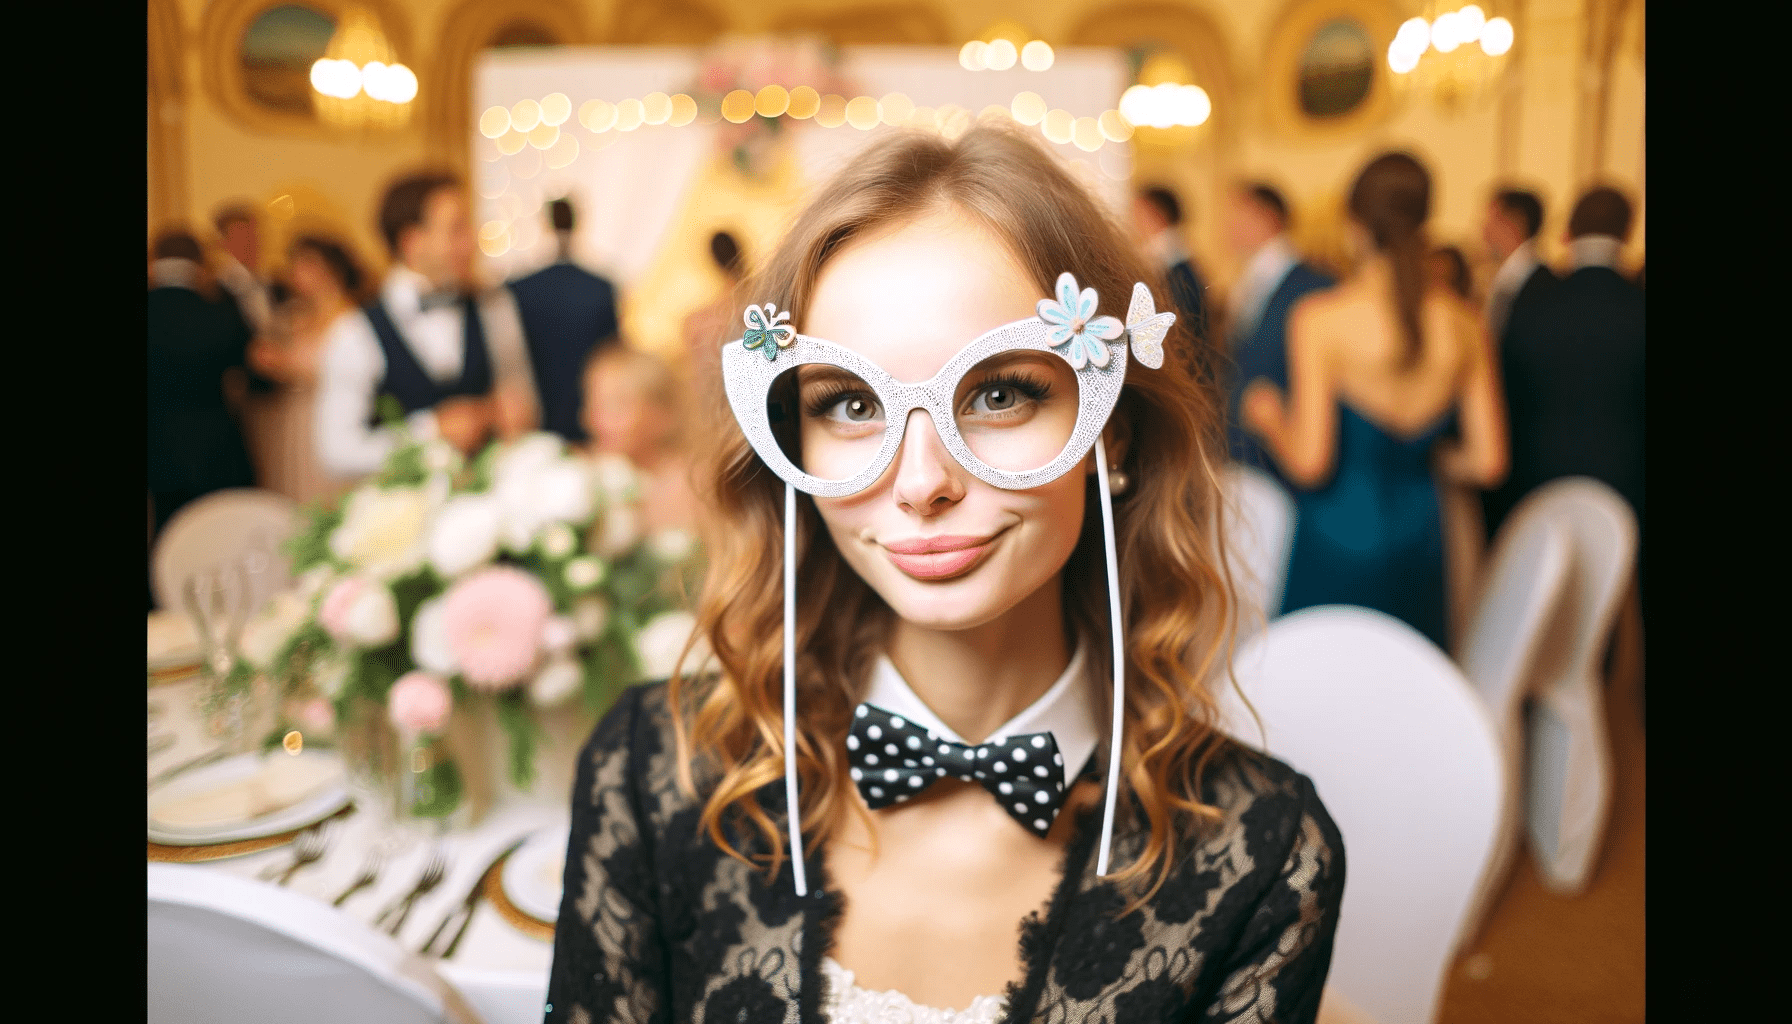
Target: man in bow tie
454 361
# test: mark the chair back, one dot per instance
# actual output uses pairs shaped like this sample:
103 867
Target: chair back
1522 597
1259 534
1407 761
241 525
224 949
1568 762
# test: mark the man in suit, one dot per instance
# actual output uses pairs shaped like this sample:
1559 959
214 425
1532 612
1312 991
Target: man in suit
240 263
1274 279
1158 216
1510 228
1572 363
197 344
454 362
566 312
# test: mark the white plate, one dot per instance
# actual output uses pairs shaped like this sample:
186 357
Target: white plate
178 815
533 874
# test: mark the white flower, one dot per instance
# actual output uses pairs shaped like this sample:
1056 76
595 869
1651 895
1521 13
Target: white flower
563 492
383 530
313 581
465 534
535 485
440 457
558 680
584 573
330 676
268 632
558 634
621 530
429 640
372 618
616 479
660 642
673 545
557 541
589 616
1073 322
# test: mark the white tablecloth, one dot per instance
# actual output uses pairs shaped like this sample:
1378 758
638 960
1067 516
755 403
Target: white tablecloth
502 972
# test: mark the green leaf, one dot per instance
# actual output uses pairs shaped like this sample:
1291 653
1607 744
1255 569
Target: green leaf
311 546
438 787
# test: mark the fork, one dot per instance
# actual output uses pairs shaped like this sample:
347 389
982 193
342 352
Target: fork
433 873
308 848
370 873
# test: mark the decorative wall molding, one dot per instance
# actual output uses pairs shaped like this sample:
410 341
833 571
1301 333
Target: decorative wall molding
1278 86
468 29
666 23
1189 30
167 101
901 24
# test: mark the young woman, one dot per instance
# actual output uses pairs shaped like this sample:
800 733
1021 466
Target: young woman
632 409
945 621
1380 369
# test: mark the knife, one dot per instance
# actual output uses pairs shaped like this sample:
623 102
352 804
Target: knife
465 909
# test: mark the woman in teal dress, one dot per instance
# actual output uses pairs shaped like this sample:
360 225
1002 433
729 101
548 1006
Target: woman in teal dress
1380 369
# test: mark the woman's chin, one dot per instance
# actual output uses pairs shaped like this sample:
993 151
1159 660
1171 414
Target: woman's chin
961 602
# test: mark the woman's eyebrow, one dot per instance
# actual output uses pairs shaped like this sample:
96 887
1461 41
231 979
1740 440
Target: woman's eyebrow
823 373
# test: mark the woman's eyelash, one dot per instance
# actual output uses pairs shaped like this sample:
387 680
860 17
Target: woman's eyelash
828 395
1032 387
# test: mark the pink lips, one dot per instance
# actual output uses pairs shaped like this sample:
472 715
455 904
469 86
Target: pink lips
938 558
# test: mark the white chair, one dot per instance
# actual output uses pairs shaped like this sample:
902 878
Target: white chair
1521 598
1260 533
224 949
217 530
1407 761
1568 769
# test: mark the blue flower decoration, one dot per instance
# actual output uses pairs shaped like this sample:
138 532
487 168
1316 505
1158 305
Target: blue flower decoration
1074 323
767 330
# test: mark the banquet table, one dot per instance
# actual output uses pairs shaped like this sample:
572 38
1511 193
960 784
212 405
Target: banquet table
501 964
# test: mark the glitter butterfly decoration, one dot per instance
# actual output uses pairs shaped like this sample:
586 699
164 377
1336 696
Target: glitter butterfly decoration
767 329
1146 327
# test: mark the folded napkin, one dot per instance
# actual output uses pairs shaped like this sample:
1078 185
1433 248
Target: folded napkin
281 782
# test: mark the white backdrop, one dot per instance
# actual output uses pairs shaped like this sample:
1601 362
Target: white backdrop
629 186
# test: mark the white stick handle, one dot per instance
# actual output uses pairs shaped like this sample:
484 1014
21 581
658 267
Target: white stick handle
790 795
1119 655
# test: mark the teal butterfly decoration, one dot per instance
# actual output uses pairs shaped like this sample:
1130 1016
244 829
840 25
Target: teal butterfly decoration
767 330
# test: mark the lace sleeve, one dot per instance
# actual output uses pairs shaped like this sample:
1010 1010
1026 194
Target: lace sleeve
1278 968
608 964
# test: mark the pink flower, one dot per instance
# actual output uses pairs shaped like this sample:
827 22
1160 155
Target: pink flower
419 703
494 619
317 715
333 612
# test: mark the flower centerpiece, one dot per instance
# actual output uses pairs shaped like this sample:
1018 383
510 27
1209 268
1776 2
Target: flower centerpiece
518 580
752 63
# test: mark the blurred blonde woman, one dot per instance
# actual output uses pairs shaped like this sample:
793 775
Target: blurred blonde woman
633 410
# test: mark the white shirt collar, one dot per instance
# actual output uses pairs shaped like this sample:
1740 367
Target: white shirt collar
1517 267
1262 275
173 272
1596 251
1067 711
403 292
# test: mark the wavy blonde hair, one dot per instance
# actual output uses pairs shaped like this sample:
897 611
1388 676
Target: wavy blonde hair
1177 594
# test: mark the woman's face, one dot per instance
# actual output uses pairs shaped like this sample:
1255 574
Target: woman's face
944 549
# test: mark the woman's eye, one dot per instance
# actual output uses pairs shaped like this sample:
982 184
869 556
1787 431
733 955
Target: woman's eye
998 398
854 409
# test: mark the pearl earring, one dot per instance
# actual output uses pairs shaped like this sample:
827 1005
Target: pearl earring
1118 482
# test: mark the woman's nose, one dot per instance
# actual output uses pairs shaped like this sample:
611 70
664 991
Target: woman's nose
928 479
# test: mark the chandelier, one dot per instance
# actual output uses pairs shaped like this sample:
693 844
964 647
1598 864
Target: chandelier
1454 55
358 81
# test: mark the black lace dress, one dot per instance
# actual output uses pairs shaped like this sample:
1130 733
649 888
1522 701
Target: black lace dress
658 925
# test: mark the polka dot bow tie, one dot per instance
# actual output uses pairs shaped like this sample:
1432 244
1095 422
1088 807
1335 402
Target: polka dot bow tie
893 759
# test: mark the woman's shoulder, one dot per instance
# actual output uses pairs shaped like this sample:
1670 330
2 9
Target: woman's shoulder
634 747
1266 804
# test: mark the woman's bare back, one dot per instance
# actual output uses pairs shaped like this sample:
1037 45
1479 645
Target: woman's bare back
1359 333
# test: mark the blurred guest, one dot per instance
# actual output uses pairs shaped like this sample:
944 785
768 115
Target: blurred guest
1379 368
455 364
709 327
197 341
240 263
1573 369
1510 230
1157 214
1449 270
634 411
1274 279
566 311
323 285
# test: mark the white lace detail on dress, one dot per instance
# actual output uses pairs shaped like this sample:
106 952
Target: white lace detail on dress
847 1003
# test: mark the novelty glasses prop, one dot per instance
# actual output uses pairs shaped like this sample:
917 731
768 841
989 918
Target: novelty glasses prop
1018 407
